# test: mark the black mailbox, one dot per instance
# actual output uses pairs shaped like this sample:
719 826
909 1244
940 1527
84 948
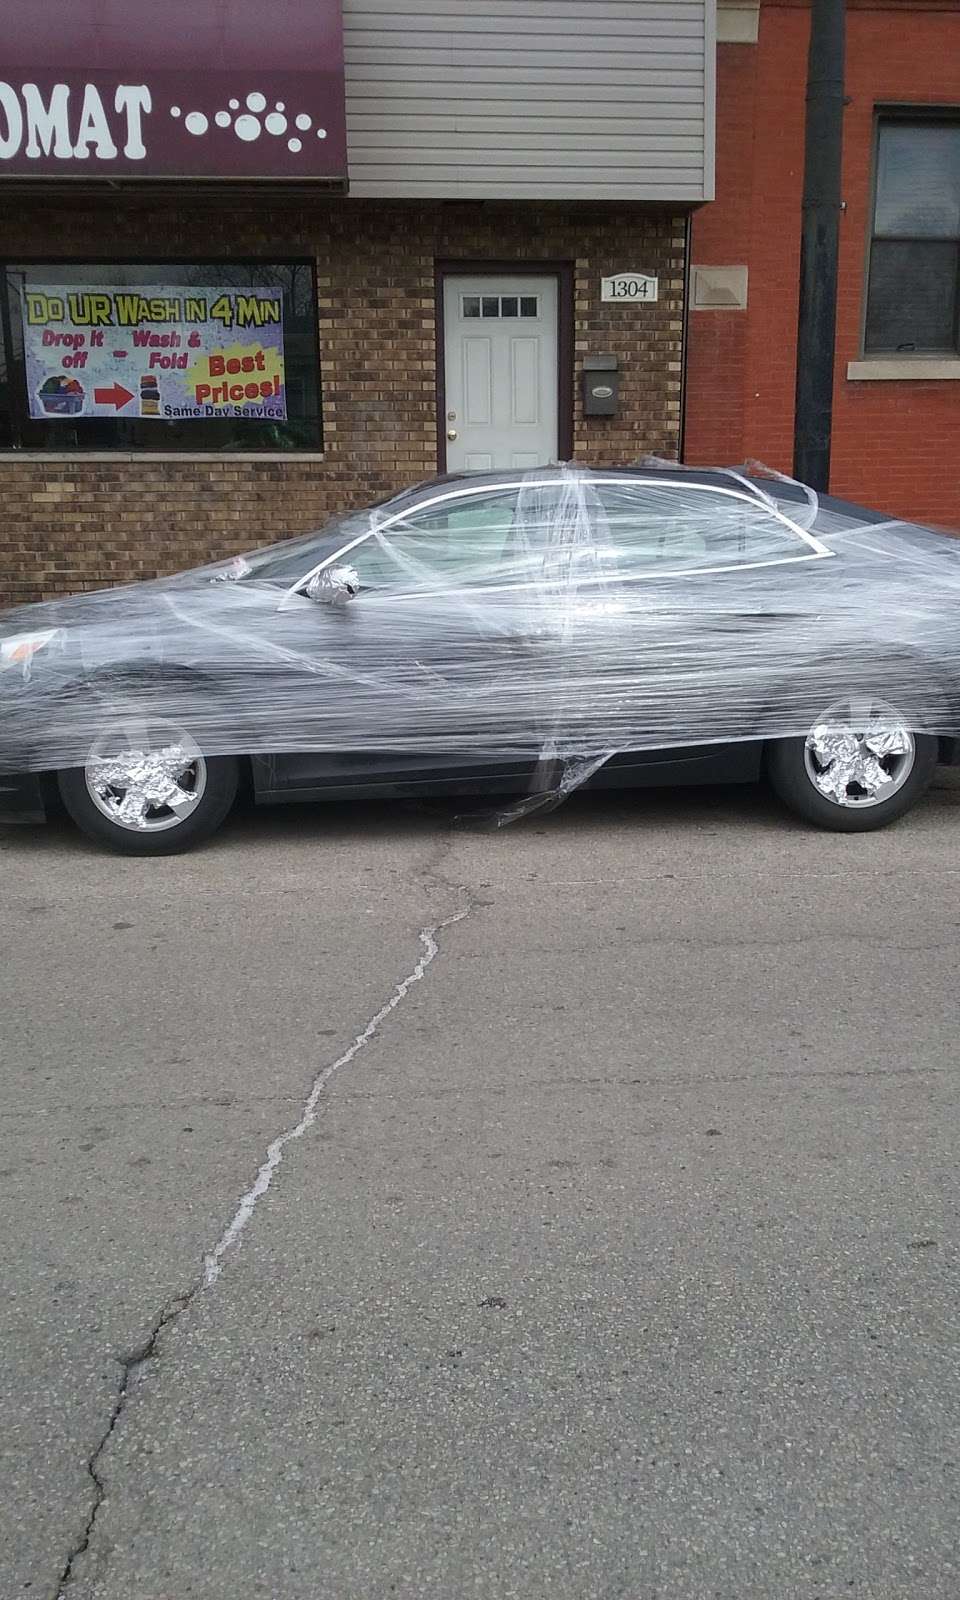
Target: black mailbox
601 386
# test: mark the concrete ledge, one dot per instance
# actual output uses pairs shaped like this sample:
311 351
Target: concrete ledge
909 369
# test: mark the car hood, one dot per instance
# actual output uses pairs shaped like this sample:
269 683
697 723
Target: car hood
139 606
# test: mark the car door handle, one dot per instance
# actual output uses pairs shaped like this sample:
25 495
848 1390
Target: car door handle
531 642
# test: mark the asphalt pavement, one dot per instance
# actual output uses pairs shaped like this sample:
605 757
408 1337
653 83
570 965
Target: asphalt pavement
397 1209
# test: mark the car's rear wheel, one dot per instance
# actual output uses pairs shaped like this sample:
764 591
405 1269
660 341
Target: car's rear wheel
146 789
860 766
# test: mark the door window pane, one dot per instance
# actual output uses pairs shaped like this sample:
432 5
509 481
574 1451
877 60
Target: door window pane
500 305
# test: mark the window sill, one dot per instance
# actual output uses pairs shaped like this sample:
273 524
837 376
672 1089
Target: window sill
226 456
912 369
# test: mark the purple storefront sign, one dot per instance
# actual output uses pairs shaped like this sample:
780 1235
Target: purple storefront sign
184 89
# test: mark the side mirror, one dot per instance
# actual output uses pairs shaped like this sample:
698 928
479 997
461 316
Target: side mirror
334 586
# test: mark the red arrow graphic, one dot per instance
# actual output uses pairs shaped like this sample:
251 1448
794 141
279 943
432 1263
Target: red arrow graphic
117 396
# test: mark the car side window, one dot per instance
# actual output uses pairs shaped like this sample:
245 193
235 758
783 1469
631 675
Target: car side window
678 528
466 541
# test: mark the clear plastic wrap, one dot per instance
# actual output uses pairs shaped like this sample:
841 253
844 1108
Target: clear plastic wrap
534 624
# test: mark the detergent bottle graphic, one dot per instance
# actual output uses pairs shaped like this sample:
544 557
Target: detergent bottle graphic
149 395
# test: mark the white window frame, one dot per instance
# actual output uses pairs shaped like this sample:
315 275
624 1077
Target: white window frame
816 551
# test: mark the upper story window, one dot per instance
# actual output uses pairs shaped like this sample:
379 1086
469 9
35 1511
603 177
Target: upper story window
159 356
912 294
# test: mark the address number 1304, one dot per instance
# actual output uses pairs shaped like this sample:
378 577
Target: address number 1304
630 286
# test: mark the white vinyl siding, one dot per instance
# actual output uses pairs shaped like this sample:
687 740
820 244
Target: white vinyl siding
530 99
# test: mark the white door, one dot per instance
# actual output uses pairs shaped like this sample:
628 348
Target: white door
500 363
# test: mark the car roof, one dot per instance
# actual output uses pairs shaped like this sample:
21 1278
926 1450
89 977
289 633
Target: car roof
714 476
706 477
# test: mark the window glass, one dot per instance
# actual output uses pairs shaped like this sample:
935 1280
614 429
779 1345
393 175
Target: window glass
164 356
545 535
639 528
6 418
912 302
918 181
500 305
912 297
457 542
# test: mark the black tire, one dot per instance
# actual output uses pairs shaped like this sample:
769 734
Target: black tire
787 771
222 778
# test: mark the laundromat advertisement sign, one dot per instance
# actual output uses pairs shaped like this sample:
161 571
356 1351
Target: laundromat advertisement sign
154 352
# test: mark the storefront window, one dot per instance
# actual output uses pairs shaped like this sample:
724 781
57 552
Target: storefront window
6 432
159 356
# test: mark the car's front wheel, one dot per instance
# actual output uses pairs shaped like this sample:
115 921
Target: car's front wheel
860 766
146 789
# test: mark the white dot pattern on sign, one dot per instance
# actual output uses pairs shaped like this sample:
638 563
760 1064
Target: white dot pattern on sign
248 126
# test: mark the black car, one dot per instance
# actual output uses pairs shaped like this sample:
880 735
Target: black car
503 634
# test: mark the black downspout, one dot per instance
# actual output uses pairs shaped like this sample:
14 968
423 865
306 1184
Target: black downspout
819 244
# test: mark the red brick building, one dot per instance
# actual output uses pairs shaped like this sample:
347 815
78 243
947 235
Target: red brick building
896 436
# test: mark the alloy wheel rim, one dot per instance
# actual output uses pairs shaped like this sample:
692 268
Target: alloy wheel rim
146 777
860 752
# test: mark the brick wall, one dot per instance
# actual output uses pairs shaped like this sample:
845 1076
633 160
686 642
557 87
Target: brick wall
76 524
894 443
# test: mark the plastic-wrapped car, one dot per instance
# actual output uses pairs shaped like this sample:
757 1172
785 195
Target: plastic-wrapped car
503 634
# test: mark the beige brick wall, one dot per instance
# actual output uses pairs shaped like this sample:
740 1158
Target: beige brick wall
70 524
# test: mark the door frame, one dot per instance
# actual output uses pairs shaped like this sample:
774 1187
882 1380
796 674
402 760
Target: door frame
562 271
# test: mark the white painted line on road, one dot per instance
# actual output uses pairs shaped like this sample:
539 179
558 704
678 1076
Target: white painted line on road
213 1262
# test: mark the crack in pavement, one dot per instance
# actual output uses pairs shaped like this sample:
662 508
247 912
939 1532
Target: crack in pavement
131 1365
212 1267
